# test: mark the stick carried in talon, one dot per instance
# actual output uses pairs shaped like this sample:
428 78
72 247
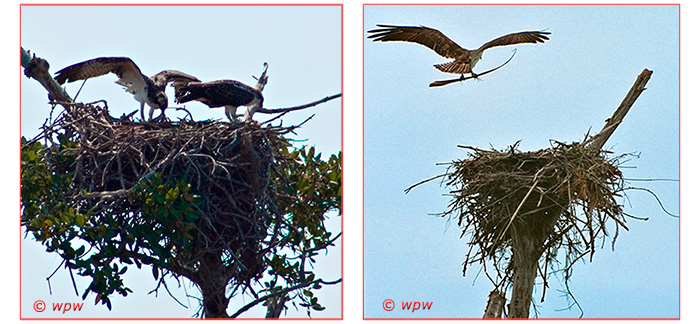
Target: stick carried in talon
441 83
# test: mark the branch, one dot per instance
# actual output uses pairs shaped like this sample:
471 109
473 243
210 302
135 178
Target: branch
596 142
38 69
495 305
286 290
109 195
286 110
407 190
441 83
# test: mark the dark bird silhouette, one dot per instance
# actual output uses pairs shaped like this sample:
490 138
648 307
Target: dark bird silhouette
464 60
230 94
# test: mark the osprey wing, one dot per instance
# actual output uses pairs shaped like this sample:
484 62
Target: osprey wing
532 37
176 77
127 71
431 38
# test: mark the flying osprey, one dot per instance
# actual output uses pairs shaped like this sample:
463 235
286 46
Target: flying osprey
464 59
230 94
146 90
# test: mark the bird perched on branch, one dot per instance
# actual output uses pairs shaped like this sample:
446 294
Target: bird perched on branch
146 90
230 94
464 59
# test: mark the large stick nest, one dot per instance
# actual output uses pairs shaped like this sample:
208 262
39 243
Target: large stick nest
227 166
562 196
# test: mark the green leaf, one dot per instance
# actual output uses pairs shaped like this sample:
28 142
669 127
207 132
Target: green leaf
172 194
80 220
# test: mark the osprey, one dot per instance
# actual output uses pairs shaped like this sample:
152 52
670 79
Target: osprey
464 59
146 90
230 94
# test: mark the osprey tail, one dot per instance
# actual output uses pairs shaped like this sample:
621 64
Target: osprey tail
181 88
454 67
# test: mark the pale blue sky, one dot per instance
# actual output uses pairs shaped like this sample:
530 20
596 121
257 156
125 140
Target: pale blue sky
302 45
556 90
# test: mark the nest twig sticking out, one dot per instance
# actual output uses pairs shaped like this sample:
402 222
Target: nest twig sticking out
226 164
558 197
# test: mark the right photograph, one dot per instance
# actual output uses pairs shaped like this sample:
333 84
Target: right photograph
521 161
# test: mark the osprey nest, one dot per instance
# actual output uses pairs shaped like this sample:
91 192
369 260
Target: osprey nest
560 197
205 182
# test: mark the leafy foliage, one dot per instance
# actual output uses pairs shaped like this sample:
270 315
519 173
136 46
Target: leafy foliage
304 202
100 244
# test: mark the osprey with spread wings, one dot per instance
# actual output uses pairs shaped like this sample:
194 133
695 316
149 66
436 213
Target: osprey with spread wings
464 59
146 90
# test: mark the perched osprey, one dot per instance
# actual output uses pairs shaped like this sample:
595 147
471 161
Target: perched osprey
464 59
230 94
146 90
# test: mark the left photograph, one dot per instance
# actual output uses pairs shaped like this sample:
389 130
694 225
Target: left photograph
181 161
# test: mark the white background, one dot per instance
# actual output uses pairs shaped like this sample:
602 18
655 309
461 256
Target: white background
352 151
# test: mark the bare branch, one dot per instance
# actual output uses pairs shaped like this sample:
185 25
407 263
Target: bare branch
285 110
596 142
38 69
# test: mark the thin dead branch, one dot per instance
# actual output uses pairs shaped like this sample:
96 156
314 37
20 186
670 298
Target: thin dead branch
441 83
597 142
300 107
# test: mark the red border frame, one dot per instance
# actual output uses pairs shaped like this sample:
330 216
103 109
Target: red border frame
342 140
526 4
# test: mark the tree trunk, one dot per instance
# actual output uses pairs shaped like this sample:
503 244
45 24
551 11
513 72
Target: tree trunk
525 260
212 282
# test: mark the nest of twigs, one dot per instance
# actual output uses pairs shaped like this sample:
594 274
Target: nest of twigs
227 165
558 197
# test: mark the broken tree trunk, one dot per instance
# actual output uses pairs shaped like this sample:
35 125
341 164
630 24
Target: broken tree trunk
38 69
527 247
526 260
597 142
